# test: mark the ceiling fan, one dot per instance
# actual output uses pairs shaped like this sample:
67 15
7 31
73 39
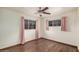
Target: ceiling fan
43 10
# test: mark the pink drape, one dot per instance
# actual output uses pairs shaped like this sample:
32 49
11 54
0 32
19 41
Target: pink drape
36 29
22 30
63 24
47 27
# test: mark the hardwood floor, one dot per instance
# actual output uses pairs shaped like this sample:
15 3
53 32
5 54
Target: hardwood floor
41 45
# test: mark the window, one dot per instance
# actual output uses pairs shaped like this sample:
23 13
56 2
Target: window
55 23
30 24
50 23
26 24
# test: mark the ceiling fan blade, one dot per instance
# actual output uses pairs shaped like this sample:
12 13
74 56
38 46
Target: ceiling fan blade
40 8
44 9
40 15
46 13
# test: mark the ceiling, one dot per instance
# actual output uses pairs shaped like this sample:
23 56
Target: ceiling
32 11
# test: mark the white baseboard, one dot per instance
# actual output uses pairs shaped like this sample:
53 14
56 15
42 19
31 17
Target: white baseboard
8 45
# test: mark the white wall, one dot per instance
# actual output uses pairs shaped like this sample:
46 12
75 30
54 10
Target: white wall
41 27
29 35
68 37
78 28
10 27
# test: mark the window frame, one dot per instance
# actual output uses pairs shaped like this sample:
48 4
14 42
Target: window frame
31 24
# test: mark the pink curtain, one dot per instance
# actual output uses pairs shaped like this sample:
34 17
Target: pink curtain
63 24
22 30
47 27
36 29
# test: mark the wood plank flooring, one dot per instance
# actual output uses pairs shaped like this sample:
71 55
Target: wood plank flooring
41 45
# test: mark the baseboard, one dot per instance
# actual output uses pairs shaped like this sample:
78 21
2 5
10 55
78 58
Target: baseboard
18 44
10 46
61 43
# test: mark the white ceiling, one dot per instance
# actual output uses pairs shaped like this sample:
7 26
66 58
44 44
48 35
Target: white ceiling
32 11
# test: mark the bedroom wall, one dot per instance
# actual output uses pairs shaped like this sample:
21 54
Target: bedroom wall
78 28
10 27
55 33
